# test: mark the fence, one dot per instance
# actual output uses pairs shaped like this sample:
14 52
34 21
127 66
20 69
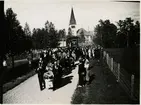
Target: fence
126 80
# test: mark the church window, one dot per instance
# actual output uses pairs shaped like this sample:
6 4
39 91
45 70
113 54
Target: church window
72 26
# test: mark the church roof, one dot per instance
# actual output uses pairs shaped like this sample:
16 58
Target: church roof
72 18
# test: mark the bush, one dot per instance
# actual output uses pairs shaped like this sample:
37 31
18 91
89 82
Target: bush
19 71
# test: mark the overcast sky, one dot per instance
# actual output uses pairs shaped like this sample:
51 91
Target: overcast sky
87 12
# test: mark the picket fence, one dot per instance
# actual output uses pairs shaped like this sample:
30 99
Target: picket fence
126 80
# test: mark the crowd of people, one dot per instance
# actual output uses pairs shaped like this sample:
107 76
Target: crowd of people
54 63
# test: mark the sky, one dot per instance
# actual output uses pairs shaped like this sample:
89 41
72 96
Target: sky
87 12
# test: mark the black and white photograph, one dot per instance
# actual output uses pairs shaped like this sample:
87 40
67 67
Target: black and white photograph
70 52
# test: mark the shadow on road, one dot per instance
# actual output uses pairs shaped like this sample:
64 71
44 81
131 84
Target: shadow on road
64 81
67 72
92 77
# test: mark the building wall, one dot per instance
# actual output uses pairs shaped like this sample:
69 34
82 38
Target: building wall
62 44
88 39
73 30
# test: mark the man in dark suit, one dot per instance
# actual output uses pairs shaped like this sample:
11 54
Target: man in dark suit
81 73
40 72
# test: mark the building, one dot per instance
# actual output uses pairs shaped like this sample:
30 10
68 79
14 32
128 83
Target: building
88 35
74 37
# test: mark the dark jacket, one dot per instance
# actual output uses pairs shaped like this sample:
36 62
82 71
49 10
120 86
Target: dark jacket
82 69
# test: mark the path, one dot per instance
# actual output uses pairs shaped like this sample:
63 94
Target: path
103 89
28 92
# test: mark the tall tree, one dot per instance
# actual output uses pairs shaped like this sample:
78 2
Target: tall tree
128 29
27 30
28 40
12 27
46 37
62 34
137 33
17 41
81 37
106 33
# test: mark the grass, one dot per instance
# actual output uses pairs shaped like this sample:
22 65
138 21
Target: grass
103 89
21 68
129 59
9 85
21 72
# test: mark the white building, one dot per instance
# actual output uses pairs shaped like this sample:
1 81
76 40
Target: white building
87 34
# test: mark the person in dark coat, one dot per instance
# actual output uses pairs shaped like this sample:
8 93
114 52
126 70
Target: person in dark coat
81 73
97 53
57 71
40 72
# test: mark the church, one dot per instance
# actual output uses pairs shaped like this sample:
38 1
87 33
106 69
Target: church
88 35
74 34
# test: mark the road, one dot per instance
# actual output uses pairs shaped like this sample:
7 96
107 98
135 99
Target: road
28 92
103 89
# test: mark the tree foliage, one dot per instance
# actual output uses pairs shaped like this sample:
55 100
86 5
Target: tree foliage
125 34
27 30
45 37
105 33
62 34
18 40
81 37
128 33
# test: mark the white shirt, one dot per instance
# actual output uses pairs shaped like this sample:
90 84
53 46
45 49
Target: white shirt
4 63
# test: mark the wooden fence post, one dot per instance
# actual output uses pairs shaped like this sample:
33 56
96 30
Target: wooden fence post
118 73
104 54
132 86
112 64
107 58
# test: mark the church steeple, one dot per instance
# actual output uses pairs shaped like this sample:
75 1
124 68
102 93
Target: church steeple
72 24
72 18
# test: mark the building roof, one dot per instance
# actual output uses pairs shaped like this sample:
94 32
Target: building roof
86 33
72 18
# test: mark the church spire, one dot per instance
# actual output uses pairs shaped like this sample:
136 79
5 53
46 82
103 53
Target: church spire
72 18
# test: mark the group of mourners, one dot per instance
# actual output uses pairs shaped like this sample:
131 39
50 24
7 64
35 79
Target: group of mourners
54 63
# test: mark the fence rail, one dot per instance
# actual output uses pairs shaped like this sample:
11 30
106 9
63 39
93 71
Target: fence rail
126 80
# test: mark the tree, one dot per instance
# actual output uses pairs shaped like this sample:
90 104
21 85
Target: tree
12 25
130 32
82 37
137 33
28 38
27 30
62 34
105 33
45 37
18 42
